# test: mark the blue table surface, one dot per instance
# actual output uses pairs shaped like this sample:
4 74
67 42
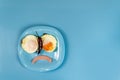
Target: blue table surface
91 29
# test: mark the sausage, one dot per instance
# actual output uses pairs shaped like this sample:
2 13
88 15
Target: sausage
42 57
40 45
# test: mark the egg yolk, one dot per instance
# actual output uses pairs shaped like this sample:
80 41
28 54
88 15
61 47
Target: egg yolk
48 46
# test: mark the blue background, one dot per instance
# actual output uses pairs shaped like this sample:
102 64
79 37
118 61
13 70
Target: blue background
91 29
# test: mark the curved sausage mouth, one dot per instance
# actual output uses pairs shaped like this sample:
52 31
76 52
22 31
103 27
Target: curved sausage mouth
42 57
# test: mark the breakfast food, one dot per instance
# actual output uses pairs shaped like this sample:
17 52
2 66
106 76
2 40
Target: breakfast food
40 43
33 43
30 44
42 57
49 42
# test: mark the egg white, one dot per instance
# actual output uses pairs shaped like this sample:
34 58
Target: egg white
49 38
30 44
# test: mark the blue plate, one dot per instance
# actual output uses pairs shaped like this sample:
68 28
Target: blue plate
42 65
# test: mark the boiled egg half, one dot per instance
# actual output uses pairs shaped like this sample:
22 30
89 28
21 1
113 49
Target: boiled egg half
49 42
30 44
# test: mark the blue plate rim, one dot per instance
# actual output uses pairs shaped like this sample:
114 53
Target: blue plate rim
63 49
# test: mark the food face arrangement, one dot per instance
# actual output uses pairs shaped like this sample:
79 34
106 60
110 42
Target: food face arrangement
35 44
41 48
